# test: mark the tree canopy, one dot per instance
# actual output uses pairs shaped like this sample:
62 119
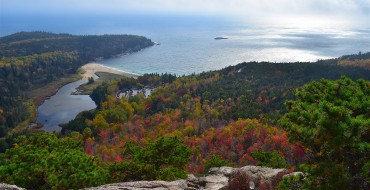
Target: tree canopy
331 119
163 159
45 162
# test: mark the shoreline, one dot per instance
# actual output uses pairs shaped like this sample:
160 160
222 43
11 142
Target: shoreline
86 71
39 95
89 70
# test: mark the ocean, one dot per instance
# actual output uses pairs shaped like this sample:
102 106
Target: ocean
187 43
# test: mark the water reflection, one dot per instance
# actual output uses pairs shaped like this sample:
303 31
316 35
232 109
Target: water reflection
63 107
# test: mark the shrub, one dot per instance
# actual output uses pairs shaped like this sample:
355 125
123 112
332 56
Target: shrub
215 161
46 162
269 159
163 159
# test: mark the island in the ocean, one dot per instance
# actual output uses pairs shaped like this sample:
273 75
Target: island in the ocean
221 38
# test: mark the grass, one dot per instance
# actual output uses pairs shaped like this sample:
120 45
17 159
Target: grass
103 76
38 95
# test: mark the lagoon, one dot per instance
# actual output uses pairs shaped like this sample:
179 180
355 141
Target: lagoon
63 107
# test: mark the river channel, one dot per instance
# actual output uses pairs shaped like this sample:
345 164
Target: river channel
63 107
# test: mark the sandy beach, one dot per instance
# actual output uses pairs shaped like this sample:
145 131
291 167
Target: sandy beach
91 68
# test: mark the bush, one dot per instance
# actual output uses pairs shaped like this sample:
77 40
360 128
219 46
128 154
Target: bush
295 182
270 159
215 161
160 160
90 80
46 162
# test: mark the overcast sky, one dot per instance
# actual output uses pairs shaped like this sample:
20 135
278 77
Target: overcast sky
324 12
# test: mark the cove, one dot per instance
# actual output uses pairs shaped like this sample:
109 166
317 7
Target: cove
63 107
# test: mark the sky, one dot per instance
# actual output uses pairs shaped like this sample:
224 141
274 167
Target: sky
319 12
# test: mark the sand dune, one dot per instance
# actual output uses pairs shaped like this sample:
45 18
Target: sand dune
91 68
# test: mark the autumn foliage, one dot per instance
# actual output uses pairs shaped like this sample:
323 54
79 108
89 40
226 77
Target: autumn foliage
203 125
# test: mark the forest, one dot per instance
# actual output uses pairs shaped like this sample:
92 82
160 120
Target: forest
238 116
29 60
310 117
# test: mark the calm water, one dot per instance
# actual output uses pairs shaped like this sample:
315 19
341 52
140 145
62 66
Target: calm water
187 46
63 107
187 42
193 50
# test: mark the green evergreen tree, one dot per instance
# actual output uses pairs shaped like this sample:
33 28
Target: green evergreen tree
332 120
45 162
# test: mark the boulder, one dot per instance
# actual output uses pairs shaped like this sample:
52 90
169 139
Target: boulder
192 182
295 174
4 186
256 177
144 185
225 171
217 178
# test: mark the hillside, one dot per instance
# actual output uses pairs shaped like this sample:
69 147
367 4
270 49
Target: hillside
30 60
228 116
296 116
88 47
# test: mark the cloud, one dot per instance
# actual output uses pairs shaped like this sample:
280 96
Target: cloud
326 11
